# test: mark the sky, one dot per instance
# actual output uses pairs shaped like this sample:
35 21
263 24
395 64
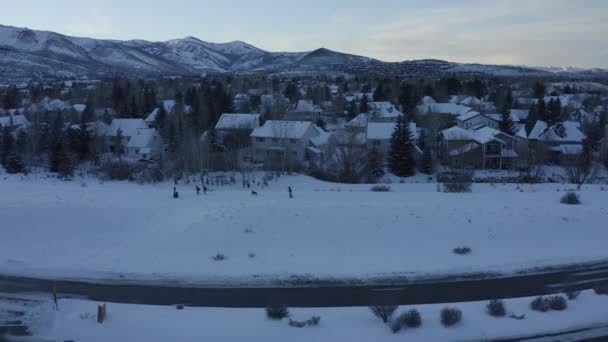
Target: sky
519 32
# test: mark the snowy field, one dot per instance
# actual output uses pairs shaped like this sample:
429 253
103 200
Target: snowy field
112 230
76 321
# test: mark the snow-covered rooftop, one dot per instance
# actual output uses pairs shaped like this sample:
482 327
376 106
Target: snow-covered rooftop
142 138
14 120
238 121
128 127
444 108
282 129
384 109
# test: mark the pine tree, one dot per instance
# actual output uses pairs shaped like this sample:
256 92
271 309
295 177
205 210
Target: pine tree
401 158
15 164
374 165
427 161
364 105
541 110
532 119
8 145
506 124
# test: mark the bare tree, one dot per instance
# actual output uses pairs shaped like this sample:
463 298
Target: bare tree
347 157
579 167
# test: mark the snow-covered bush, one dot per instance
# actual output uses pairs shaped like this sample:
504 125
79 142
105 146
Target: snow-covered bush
384 312
572 295
540 304
314 320
464 250
457 181
450 316
277 312
219 257
496 308
601 290
410 319
380 188
570 198
558 303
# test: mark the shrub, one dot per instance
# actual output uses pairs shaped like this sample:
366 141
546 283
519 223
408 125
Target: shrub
558 303
496 308
540 304
457 181
180 306
313 321
601 290
384 312
462 250
572 295
380 188
450 316
219 257
396 325
571 198
277 312
297 324
413 319
119 171
15 164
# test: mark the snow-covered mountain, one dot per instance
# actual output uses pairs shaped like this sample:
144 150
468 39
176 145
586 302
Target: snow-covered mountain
27 54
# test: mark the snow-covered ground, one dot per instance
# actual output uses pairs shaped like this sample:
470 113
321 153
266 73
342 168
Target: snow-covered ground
76 321
127 231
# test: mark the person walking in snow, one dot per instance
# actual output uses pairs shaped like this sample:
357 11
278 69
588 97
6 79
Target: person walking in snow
55 297
204 190
290 192
198 190
175 193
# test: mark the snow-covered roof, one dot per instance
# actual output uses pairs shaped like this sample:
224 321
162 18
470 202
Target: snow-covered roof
444 108
567 131
322 139
468 116
427 100
359 120
128 127
306 106
470 101
384 130
79 107
238 121
521 114
282 129
152 116
143 138
482 135
384 109
14 120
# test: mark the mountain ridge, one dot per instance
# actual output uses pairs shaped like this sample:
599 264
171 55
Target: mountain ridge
27 54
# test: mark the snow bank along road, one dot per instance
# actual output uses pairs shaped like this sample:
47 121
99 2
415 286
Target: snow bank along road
578 277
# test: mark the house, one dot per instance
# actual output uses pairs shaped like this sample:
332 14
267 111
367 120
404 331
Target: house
120 132
235 128
146 143
485 148
560 140
383 112
14 121
379 134
304 110
283 142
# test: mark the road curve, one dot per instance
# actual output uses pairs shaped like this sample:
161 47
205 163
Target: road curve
403 292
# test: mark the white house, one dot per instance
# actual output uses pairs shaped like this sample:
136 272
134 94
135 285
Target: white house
561 139
283 141
304 110
146 143
443 108
481 148
235 128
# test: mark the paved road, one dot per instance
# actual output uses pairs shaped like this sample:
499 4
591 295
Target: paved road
405 293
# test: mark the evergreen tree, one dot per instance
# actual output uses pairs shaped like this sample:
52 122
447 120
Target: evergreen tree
554 112
15 164
539 90
532 118
422 140
352 110
364 105
506 124
401 158
374 165
541 110
8 145
379 94
427 161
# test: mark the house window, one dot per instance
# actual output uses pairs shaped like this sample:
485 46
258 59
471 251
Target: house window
493 149
259 139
